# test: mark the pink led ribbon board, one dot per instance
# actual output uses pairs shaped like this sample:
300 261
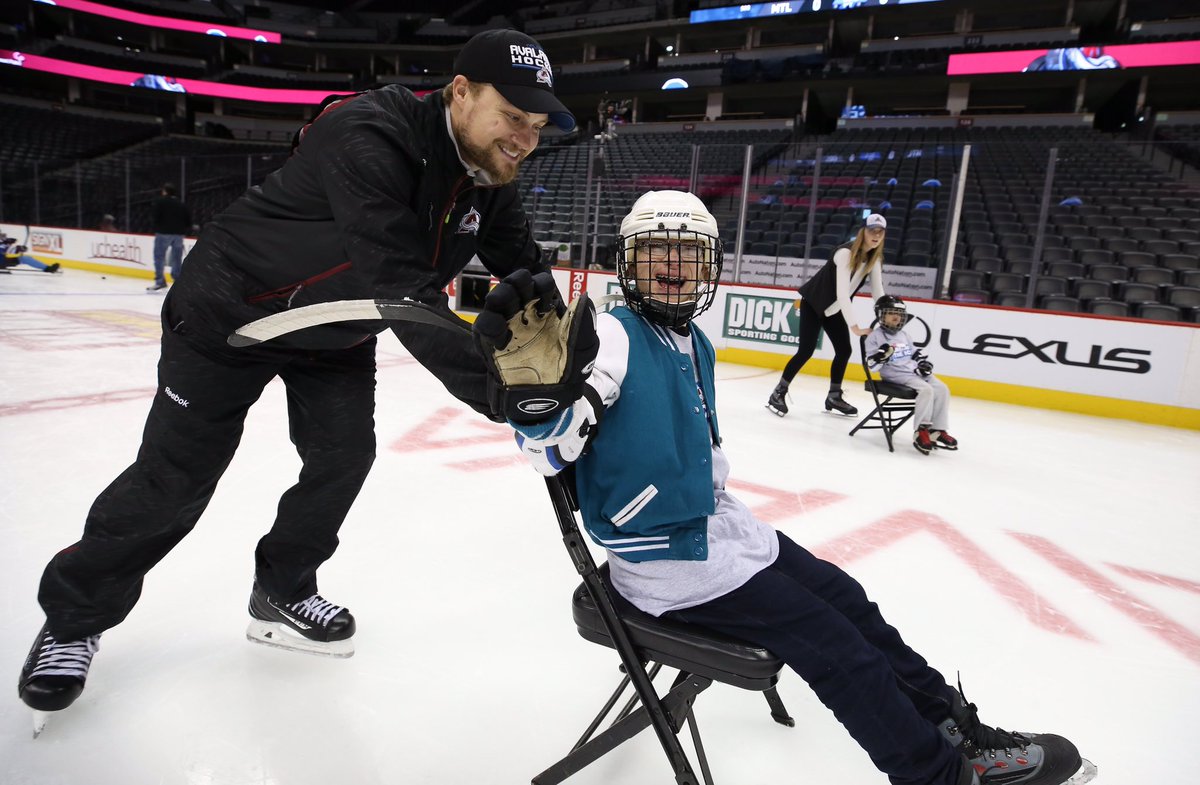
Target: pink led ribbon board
166 22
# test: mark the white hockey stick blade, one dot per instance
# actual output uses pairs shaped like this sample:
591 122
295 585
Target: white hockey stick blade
275 635
39 722
279 324
1087 773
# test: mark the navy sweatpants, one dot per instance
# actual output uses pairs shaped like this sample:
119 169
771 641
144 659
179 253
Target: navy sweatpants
819 621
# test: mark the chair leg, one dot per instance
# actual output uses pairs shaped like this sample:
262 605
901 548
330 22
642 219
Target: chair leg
675 704
634 699
694 729
779 712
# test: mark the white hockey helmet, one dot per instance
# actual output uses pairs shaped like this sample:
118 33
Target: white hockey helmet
662 228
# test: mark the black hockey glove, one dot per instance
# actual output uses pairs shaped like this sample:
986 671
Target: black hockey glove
882 354
924 367
538 351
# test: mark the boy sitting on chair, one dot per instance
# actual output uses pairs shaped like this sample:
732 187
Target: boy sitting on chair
651 480
902 363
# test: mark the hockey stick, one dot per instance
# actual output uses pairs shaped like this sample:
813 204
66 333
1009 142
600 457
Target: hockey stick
279 324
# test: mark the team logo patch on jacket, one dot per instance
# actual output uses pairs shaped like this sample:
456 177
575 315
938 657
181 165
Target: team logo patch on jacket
469 223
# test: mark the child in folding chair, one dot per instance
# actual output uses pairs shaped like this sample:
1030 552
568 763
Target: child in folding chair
650 476
891 350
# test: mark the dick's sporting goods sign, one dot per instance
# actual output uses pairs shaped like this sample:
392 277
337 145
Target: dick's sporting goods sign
762 319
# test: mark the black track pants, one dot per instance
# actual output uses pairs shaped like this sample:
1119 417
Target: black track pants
194 427
811 324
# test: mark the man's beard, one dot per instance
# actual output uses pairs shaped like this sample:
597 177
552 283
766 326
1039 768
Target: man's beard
484 158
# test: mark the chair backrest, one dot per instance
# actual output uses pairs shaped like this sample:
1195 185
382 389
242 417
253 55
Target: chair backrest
1137 259
1096 256
1108 272
1066 269
1104 307
1160 312
1059 254
1007 282
1087 289
1134 292
987 264
1050 284
1009 299
1155 275
1185 296
1060 302
1120 244
966 279
1180 261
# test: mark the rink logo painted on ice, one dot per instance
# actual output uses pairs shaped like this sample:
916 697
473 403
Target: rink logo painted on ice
1054 352
762 319
126 251
46 242
176 397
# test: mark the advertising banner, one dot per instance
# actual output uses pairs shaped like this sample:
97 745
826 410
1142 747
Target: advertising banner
88 249
1127 359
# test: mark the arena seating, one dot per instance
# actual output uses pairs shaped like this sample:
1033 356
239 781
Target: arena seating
1121 233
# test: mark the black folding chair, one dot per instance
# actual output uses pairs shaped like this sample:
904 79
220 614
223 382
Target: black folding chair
700 656
894 403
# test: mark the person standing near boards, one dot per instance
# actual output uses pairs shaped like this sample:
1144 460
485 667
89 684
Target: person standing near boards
825 304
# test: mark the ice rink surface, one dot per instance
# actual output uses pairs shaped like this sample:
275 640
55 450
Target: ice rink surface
1053 561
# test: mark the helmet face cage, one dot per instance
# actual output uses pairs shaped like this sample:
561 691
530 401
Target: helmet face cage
669 276
888 305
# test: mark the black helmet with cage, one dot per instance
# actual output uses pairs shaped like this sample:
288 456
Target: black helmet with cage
889 304
669 257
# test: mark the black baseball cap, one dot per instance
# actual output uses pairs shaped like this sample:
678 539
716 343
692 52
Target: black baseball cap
516 66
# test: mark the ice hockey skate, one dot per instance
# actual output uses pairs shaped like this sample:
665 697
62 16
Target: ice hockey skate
312 626
943 440
777 403
1000 757
922 440
836 404
54 674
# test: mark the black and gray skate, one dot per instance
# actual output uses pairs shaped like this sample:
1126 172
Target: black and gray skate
1000 757
777 403
834 402
54 674
313 625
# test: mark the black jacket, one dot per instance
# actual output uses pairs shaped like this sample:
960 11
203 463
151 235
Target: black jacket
170 216
373 203
820 291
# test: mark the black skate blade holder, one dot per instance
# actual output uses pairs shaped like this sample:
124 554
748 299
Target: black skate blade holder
701 657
